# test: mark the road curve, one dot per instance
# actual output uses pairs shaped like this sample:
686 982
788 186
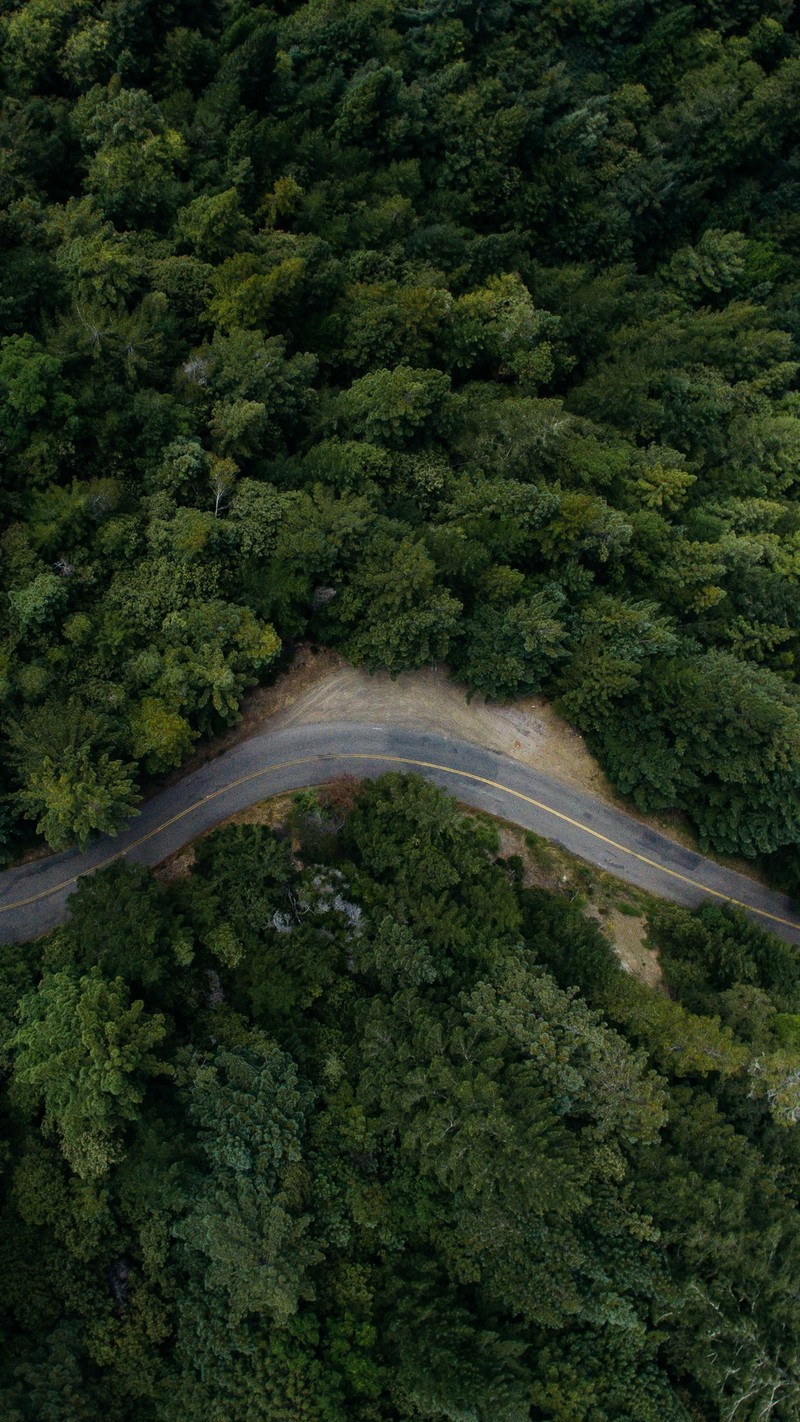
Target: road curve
33 896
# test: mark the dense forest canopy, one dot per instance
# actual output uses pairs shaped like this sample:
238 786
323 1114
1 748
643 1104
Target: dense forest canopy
446 329
350 1126
458 330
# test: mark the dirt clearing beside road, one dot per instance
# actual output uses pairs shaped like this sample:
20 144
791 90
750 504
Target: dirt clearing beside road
529 730
320 687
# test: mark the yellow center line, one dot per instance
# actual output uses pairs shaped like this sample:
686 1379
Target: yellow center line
420 765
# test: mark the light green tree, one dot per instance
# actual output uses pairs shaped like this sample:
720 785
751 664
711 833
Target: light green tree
71 783
84 1052
396 407
498 329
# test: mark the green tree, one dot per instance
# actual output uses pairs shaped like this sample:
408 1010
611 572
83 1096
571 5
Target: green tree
71 784
120 923
615 638
212 226
510 647
724 742
396 408
246 1228
85 1052
39 603
37 413
392 612
134 156
497 330
160 737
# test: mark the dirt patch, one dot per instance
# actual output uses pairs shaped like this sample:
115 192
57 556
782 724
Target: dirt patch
319 686
628 934
529 730
272 813
178 866
544 865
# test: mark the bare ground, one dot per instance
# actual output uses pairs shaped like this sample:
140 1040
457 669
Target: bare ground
528 730
629 935
320 686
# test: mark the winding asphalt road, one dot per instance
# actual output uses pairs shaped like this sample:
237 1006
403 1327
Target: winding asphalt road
33 896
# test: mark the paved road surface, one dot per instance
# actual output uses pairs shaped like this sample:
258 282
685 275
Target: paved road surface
33 896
